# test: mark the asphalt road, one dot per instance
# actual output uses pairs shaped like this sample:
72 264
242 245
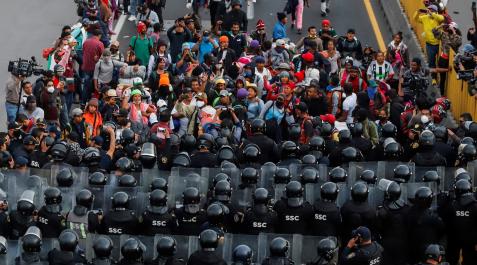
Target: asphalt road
461 13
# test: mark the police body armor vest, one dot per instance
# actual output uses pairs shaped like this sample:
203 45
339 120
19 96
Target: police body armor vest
79 224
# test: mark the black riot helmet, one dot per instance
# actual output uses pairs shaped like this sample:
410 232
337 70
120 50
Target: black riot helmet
356 129
423 197
103 247
344 136
97 178
127 136
392 149
223 191
338 174
226 153
188 142
326 129
158 198
251 153
258 126
260 196
132 249
215 213
317 143
294 132
309 160
432 176
205 140
84 198
148 155
427 139
124 164
326 249
329 191
473 130
221 176
65 177
58 152
52 196
279 247
208 239
159 184
191 195
92 156
441 133
402 173
294 193
242 254
249 176
469 153
389 130
434 252
309 175
25 204
127 181
359 192
282 175
68 240
467 140
31 241
120 200
462 187
166 246
350 154
289 149
368 176
393 191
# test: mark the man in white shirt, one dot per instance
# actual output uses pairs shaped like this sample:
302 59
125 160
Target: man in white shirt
262 73
379 69
349 104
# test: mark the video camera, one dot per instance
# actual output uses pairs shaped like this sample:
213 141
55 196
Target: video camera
24 67
466 75
417 83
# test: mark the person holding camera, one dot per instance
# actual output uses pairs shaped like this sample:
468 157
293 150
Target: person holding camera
148 17
414 81
430 19
361 250
472 34
186 60
178 34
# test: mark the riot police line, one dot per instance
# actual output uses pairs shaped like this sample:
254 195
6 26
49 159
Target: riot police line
299 205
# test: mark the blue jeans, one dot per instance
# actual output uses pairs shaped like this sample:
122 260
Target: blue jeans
432 51
11 111
133 6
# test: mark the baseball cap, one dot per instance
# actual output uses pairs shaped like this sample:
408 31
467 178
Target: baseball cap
433 8
280 42
224 93
76 112
329 118
21 161
363 232
111 93
242 93
98 140
325 22
29 140
220 81
201 96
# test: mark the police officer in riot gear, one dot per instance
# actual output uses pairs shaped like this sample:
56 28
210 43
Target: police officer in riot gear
293 212
424 225
24 216
204 157
190 216
260 218
391 224
81 219
268 147
31 246
215 214
402 173
132 251
289 153
58 153
159 184
426 156
124 165
120 220
65 178
68 252
158 218
338 174
209 241
242 255
357 211
327 216
222 193
360 249
434 255
251 156
326 251
460 221
166 250
50 219
102 247
278 252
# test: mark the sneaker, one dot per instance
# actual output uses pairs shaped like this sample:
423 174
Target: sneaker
132 18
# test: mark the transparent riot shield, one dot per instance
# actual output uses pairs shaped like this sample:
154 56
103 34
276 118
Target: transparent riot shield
344 193
115 239
12 252
194 245
18 182
264 240
99 196
448 178
147 175
267 173
137 198
242 197
472 168
375 196
4 194
307 246
409 190
356 168
182 178
233 240
311 187
80 175
420 171
148 241
47 245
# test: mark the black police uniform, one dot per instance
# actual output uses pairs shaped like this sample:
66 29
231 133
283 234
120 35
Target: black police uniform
203 159
201 257
189 223
51 223
429 158
166 261
268 147
293 220
326 219
277 260
259 218
369 254
4 224
118 222
160 221
19 224
59 257
446 151
356 214
38 159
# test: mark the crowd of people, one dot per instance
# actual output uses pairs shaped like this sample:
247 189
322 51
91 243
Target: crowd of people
246 100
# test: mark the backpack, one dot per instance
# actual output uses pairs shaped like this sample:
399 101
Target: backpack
329 99
135 40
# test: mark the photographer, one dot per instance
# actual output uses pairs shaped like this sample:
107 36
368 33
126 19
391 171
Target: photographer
148 17
414 81
178 34
186 59
361 250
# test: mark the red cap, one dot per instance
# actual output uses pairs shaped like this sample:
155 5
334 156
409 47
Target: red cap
308 57
325 22
260 24
329 118
141 27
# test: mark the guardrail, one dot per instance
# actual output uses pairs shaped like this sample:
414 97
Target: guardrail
456 90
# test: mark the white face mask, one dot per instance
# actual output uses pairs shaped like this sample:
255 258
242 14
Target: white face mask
50 89
200 103
424 119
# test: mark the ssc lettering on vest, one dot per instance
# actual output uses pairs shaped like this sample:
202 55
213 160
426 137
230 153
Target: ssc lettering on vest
190 220
158 223
43 220
76 225
112 230
259 225
462 213
34 164
375 261
292 218
320 217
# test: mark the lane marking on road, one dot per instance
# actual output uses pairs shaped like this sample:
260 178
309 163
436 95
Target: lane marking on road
374 24
119 26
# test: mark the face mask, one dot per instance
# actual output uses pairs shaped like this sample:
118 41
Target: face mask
279 104
424 119
199 104
50 89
